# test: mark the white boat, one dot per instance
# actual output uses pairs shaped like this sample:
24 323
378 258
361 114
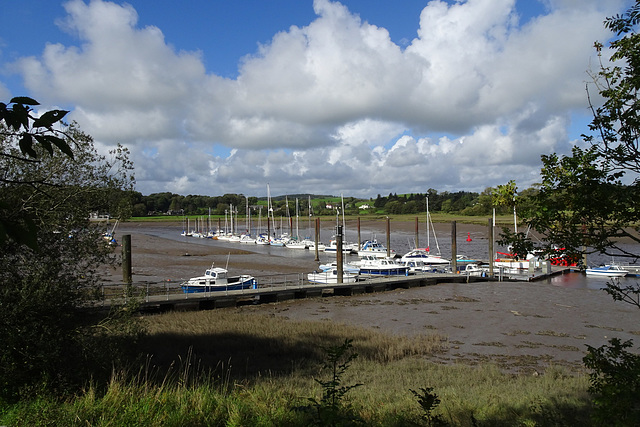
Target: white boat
372 247
347 268
611 270
419 266
331 276
280 241
373 266
262 239
321 246
246 238
217 279
333 248
296 244
424 256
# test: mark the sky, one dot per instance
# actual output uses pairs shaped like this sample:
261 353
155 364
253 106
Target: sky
358 97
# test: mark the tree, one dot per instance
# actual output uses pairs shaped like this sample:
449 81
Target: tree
589 201
30 134
47 340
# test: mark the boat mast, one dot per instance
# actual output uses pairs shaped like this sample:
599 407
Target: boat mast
428 232
297 231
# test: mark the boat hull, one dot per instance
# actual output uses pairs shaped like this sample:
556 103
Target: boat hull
606 271
379 271
329 278
235 284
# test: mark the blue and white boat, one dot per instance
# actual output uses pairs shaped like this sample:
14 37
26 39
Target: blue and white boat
217 279
610 270
372 247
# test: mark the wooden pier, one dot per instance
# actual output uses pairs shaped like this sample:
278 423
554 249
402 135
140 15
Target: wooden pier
164 298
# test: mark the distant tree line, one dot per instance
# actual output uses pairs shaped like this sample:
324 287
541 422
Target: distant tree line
459 203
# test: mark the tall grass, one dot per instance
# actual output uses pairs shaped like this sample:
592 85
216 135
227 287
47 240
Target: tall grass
228 367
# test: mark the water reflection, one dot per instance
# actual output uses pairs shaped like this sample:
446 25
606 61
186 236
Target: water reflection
581 281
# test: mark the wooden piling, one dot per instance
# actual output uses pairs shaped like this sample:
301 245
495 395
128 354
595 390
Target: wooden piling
339 254
317 239
454 248
388 238
491 253
126 259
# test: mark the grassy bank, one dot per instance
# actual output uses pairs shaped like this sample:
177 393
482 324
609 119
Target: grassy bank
234 367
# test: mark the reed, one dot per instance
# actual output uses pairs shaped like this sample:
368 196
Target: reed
234 367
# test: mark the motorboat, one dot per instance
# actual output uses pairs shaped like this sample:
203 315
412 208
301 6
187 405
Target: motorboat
347 268
321 246
610 270
373 266
333 248
419 266
372 247
296 244
424 256
218 279
331 276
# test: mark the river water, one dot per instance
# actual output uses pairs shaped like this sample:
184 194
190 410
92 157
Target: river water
471 242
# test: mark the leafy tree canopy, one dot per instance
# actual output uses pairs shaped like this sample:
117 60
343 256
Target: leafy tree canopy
588 201
50 253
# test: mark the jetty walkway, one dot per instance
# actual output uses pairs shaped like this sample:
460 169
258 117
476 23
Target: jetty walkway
154 297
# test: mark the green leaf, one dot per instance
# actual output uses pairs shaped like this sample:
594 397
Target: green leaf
24 100
26 145
49 118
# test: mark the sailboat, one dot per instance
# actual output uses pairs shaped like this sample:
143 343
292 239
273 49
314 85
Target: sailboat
296 243
110 236
424 254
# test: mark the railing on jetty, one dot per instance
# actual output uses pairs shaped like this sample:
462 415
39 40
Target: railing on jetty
168 295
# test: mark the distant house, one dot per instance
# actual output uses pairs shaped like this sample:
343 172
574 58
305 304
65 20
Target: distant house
328 206
365 206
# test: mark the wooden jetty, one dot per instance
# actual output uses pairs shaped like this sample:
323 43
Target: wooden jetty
154 298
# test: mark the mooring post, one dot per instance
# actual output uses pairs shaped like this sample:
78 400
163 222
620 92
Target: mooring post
491 254
454 248
126 258
317 238
339 253
388 238
359 240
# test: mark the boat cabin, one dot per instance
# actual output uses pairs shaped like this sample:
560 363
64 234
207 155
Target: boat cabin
216 274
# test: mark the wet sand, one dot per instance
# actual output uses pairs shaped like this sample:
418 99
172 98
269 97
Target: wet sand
519 326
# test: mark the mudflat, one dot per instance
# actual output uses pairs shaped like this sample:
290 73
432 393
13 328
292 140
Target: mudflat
521 326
